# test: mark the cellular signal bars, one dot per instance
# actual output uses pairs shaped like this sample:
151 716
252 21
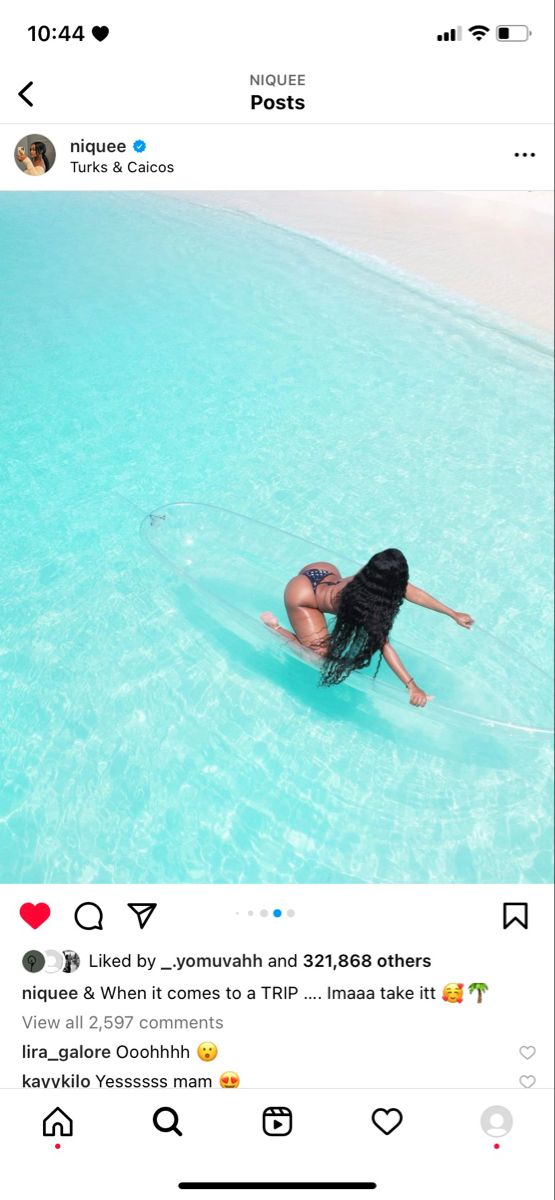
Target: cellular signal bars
452 35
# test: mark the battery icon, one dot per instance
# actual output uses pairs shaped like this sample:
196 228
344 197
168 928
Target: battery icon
512 33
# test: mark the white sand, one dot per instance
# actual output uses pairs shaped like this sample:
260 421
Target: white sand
495 248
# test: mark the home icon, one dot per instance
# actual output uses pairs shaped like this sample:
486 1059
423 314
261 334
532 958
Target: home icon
57 1124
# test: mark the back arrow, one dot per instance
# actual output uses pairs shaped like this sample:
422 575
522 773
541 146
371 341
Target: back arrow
23 96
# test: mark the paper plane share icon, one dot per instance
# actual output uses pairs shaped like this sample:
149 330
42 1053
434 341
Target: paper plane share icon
143 912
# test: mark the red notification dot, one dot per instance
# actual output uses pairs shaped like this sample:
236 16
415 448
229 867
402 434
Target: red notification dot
496 1145
57 1146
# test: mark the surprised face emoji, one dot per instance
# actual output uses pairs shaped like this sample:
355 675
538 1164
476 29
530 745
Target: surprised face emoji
229 1079
453 993
207 1051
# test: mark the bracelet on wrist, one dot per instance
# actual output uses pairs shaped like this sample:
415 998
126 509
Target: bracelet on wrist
409 681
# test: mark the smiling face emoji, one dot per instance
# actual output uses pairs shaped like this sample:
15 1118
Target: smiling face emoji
453 993
229 1079
207 1051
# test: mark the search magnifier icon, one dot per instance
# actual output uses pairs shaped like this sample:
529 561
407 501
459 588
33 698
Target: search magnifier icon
170 1126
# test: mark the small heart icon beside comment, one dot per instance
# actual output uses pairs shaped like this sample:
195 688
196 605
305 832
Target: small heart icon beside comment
34 914
100 32
527 1081
527 1051
387 1119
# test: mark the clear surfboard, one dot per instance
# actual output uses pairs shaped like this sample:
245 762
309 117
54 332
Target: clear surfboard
238 567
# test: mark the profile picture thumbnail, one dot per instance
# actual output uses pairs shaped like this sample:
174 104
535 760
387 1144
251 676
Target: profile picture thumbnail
35 154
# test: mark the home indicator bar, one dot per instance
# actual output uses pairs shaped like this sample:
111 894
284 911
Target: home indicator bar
305 1187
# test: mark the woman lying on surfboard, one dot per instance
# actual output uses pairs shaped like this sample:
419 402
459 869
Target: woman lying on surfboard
364 606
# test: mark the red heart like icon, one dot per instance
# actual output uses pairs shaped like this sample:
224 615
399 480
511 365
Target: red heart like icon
34 914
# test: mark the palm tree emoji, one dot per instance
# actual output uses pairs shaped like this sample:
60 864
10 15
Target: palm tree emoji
480 988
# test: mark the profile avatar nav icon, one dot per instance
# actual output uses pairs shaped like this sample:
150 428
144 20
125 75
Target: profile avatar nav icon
57 1124
277 1122
497 1122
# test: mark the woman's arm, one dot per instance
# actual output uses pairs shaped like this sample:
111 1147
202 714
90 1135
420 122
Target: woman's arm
28 167
416 695
418 596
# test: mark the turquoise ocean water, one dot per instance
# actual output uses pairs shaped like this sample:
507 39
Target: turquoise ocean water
154 350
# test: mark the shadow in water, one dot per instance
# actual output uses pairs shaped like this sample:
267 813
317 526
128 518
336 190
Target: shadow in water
414 729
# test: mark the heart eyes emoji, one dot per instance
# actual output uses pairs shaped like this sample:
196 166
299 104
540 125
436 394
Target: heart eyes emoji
229 1079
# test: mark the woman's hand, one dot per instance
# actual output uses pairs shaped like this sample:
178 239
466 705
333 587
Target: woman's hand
463 619
21 153
417 696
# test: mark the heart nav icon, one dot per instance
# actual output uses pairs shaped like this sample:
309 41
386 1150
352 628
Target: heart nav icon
387 1119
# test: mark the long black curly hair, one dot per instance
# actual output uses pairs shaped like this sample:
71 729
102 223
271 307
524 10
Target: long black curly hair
40 147
366 611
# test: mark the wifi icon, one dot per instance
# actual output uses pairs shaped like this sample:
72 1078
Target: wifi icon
479 31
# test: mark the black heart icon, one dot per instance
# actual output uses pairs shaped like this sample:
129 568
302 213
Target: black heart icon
100 32
387 1119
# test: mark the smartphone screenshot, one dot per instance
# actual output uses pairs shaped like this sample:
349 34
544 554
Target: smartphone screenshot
276 588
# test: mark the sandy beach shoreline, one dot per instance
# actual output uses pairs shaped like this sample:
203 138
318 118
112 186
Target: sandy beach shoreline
493 248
